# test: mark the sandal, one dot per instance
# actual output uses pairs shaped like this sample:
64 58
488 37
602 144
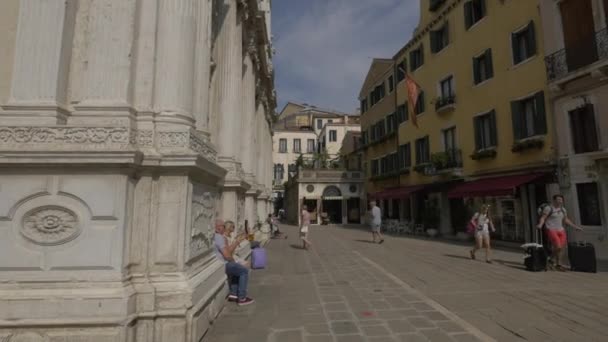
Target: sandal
472 255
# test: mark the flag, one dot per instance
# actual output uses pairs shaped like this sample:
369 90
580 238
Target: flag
413 90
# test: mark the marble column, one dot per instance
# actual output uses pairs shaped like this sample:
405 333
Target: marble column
42 59
229 90
202 61
248 128
261 160
174 91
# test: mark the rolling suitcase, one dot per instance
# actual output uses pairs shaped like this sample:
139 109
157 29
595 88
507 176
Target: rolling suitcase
536 255
582 257
258 258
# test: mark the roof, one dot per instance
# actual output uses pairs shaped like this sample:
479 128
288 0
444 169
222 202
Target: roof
305 107
377 69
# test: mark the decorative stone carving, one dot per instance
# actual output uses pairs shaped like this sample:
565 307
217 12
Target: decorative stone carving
143 138
50 225
188 140
201 145
99 136
204 201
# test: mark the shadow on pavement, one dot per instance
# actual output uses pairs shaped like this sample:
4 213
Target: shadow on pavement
457 256
364 241
294 246
515 265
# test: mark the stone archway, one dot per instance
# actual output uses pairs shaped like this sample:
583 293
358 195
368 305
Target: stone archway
332 191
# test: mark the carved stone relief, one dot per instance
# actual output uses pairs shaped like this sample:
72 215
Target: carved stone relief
50 225
100 136
204 203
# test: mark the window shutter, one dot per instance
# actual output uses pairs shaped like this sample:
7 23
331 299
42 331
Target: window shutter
421 48
476 76
515 48
408 155
412 61
540 118
421 101
489 63
468 14
478 132
531 39
434 40
590 129
516 116
493 129
446 32
406 111
418 143
482 5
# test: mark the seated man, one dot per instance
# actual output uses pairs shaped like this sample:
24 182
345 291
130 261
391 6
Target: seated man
231 237
238 275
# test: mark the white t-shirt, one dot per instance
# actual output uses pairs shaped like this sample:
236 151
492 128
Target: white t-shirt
555 217
482 220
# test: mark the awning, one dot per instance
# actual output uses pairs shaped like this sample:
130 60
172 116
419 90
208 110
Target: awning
496 186
400 192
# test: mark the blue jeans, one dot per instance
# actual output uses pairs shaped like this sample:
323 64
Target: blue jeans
238 276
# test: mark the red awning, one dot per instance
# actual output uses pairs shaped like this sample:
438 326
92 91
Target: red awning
400 192
497 186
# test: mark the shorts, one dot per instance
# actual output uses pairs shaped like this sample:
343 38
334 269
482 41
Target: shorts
304 232
482 234
375 228
558 238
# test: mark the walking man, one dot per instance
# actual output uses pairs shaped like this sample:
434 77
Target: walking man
376 222
304 223
554 218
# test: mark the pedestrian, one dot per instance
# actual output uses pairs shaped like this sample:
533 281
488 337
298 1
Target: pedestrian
554 218
304 226
238 275
231 237
482 221
376 222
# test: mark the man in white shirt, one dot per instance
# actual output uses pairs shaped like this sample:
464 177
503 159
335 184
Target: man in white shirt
376 222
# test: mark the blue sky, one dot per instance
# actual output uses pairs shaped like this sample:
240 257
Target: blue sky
324 47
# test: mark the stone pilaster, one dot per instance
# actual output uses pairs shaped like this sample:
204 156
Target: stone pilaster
202 61
42 59
248 143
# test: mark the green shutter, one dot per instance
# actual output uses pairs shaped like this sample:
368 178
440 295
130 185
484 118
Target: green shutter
468 15
477 129
493 129
489 63
476 76
540 117
515 48
516 116
531 39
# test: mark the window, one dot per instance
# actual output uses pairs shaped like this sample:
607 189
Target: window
584 131
278 172
363 105
528 117
482 67
420 104
423 150
333 135
402 113
449 139
417 58
375 167
447 88
523 44
439 39
330 121
474 11
292 168
319 124
377 94
589 204
401 71
297 145
405 156
282 145
485 131
384 165
310 146
391 124
391 84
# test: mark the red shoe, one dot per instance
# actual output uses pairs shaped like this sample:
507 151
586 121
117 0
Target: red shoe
245 301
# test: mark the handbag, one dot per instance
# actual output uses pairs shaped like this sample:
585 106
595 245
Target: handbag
471 228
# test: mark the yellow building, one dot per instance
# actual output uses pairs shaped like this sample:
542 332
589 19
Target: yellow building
482 116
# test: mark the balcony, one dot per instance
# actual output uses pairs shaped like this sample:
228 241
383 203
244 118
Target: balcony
578 56
446 162
445 104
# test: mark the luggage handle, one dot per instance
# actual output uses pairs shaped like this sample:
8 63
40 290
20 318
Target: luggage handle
578 241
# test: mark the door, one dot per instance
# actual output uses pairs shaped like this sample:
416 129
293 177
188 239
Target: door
579 33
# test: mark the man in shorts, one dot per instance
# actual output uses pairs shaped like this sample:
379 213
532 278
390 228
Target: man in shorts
376 222
554 218
304 224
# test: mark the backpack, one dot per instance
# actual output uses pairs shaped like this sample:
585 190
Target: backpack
541 209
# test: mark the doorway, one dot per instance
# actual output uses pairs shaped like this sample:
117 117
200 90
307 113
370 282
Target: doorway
354 210
333 208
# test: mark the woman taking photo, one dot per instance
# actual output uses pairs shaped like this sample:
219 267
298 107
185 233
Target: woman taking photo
482 223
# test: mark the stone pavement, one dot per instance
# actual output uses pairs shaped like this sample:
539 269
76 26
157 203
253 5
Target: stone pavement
347 289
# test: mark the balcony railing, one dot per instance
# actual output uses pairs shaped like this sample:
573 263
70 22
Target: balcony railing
579 55
446 160
443 103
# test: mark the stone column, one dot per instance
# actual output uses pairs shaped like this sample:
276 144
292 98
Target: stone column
202 61
260 160
228 90
248 128
42 58
174 94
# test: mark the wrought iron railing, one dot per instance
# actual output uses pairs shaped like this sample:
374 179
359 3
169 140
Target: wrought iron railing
579 55
448 159
442 102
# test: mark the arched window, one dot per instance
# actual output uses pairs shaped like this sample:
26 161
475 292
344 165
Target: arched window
332 191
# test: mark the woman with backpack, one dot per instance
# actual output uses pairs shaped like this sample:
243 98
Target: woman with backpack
480 226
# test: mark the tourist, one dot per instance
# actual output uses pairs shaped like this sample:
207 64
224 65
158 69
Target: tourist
376 222
482 221
304 226
554 218
238 275
275 233
229 233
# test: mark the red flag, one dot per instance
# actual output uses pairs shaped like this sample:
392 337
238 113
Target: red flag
413 90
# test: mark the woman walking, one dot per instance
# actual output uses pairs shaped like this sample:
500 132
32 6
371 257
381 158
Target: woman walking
304 224
482 223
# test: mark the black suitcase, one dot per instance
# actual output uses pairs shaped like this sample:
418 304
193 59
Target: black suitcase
582 257
536 257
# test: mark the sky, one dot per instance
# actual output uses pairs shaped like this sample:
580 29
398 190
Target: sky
324 48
